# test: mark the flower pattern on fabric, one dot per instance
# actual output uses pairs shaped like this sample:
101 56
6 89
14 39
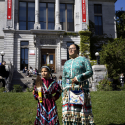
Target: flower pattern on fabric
76 108
79 67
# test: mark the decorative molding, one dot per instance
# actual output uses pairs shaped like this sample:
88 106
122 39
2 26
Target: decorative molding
48 41
48 36
104 0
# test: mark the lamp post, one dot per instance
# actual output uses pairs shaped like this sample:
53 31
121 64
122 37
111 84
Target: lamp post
97 57
2 54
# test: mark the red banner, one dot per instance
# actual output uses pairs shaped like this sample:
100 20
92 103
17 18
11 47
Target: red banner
9 8
83 10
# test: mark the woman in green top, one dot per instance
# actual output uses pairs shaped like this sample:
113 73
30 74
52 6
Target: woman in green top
76 108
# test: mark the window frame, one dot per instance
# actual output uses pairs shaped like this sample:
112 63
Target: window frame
26 14
98 14
66 19
47 14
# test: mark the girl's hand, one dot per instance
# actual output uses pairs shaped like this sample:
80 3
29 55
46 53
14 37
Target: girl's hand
40 98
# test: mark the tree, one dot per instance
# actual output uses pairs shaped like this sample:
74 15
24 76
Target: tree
120 23
96 41
113 55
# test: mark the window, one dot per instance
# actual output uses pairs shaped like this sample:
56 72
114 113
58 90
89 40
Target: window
98 9
98 19
26 15
67 17
24 54
98 25
68 44
47 15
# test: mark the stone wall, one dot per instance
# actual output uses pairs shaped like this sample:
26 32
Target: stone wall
2 17
108 17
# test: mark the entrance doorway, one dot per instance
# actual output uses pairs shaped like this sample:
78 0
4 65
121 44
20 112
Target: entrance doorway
24 54
48 58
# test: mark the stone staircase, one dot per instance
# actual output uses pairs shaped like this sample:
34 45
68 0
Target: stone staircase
19 78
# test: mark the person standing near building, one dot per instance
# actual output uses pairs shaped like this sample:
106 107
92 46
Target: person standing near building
76 108
3 72
122 79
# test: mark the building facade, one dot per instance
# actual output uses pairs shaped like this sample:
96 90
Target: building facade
32 31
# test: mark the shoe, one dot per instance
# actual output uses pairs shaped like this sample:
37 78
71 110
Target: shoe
27 76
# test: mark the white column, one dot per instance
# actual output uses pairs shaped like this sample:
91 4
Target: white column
57 15
79 24
37 25
86 24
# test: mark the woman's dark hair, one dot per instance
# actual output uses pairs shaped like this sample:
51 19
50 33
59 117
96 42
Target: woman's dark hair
60 77
77 47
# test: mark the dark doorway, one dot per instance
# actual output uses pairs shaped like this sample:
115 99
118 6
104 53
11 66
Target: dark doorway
24 55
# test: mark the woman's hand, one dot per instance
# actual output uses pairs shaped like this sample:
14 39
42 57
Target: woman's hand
74 80
40 98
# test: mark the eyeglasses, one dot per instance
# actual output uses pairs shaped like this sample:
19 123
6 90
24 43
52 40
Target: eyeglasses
71 48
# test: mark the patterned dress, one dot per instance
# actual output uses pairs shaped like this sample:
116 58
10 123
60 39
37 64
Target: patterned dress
47 110
76 108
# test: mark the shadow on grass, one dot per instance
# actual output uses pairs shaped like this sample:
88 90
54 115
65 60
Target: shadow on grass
116 124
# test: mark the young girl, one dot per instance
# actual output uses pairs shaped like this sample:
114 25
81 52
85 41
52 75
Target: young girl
46 109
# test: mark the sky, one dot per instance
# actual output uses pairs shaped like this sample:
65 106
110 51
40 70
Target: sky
119 4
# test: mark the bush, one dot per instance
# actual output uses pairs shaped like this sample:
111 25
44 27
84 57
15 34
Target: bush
2 89
17 88
113 55
121 88
105 85
29 89
93 62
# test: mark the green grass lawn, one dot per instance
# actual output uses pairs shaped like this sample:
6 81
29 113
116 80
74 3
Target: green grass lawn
20 108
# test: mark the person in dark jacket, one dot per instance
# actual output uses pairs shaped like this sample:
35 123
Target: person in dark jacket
2 69
3 72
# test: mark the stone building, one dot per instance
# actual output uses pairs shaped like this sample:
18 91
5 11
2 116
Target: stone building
32 31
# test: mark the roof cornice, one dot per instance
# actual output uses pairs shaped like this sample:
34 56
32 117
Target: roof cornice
103 0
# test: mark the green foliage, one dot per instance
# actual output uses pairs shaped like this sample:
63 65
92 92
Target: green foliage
2 89
120 23
93 62
107 107
96 41
105 85
85 43
17 88
113 55
121 88
29 89
70 34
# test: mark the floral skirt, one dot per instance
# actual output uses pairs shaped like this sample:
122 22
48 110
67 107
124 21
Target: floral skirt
77 113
